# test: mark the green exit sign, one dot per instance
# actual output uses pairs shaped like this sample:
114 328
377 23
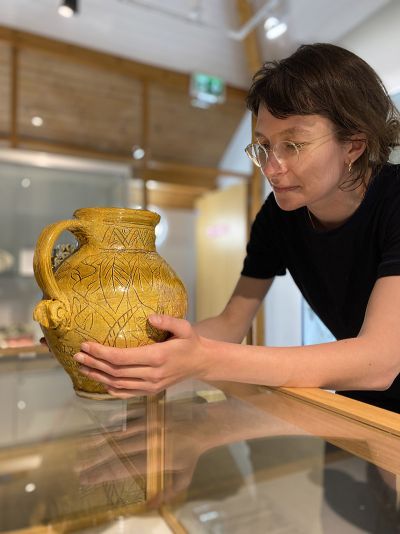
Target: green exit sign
207 89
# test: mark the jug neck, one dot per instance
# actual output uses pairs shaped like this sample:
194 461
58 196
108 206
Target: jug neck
120 228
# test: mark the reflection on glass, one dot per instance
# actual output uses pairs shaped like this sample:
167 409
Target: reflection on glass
233 459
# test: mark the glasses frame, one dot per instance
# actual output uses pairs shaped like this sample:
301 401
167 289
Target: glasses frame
251 148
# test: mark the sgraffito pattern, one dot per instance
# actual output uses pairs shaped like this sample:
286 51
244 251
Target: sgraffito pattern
112 283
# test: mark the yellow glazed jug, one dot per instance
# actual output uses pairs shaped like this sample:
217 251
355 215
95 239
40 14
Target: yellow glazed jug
106 289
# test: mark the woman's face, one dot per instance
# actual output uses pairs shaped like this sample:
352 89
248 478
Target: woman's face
313 177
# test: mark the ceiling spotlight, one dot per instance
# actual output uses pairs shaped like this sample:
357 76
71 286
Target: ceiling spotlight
137 152
68 8
274 27
37 121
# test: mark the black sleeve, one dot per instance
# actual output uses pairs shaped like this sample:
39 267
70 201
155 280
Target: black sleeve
263 259
390 256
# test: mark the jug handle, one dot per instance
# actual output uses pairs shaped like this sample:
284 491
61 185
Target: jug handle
54 311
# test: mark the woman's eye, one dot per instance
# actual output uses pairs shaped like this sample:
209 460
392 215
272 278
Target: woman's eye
266 146
289 146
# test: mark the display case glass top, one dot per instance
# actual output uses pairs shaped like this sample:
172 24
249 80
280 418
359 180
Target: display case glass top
200 458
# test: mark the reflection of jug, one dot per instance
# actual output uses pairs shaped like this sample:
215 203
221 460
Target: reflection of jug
106 289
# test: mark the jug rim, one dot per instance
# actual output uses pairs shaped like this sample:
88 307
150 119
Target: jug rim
117 215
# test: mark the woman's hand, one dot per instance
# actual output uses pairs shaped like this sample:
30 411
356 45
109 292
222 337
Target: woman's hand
149 369
43 342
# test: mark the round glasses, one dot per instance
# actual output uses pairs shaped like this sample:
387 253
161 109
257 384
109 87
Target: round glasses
284 152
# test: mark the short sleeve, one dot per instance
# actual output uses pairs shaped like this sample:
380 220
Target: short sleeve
264 259
390 252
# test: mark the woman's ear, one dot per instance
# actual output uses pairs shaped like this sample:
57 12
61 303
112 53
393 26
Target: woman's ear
356 146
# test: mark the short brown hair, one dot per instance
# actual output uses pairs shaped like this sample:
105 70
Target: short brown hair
324 79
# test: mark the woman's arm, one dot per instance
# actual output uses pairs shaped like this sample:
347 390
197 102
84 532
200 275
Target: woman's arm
234 322
369 361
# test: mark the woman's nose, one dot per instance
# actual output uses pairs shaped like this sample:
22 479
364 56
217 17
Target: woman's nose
272 166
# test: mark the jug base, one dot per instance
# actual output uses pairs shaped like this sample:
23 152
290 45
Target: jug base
94 396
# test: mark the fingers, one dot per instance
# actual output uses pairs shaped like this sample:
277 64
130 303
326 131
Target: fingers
115 375
113 470
118 382
178 327
135 371
43 341
146 355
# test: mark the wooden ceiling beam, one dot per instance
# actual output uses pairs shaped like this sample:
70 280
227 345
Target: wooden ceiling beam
168 176
29 143
167 172
166 199
251 45
175 173
118 64
182 168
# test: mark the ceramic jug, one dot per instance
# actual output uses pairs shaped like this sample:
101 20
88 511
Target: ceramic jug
106 289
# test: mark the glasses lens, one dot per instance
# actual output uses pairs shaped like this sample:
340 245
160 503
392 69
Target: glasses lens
262 155
253 153
286 151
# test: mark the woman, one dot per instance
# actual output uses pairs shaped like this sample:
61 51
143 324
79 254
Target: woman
325 128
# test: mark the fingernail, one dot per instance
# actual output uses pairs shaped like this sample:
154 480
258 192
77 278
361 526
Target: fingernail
79 357
85 347
84 370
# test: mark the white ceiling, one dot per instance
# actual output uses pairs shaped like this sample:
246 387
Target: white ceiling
161 32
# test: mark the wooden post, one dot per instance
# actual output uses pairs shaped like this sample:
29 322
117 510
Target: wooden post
256 189
155 445
14 96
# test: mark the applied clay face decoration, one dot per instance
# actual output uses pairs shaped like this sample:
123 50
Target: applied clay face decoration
106 289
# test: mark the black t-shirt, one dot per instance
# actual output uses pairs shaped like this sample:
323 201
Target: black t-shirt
335 270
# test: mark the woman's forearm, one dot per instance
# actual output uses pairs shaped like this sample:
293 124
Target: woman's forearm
348 364
221 328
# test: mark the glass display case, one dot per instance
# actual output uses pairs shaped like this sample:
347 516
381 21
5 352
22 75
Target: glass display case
201 458
36 193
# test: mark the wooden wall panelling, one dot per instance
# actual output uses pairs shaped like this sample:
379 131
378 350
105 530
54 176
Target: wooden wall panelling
110 62
5 90
174 196
98 105
167 195
179 174
81 106
184 134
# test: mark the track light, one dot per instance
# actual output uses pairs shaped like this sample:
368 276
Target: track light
274 27
68 8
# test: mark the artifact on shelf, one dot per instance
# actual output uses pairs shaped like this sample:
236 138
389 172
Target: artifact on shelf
105 290
6 261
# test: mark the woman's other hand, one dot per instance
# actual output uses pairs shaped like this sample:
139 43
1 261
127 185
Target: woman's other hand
149 369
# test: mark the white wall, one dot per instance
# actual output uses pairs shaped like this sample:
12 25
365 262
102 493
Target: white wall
283 313
234 157
377 41
178 249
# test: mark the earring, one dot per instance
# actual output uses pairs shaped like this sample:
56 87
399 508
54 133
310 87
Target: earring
350 167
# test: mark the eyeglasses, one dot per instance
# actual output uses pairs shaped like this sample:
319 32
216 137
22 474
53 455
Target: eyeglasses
285 152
